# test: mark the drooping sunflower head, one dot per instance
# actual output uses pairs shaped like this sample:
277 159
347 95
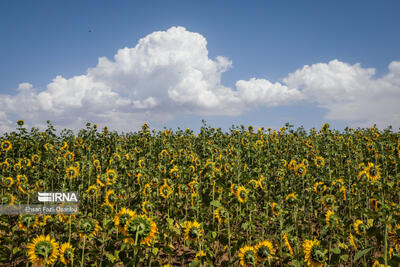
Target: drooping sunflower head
234 188
4 165
66 253
146 207
276 208
330 218
6 145
87 227
7 199
247 256
147 189
8 182
314 255
102 180
142 227
107 208
374 204
264 250
92 190
165 190
122 217
193 231
373 172
292 164
242 194
43 250
111 175
69 156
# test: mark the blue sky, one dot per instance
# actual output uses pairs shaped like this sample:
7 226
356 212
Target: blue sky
267 41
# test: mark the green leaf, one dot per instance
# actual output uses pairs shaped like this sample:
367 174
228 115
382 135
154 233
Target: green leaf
110 257
344 257
362 253
154 251
215 203
336 250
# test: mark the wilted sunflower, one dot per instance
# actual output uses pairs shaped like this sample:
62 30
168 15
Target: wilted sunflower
43 250
319 161
241 194
6 145
72 172
247 256
291 199
165 190
314 255
140 229
222 215
66 253
122 217
193 231
88 228
28 222
319 187
264 250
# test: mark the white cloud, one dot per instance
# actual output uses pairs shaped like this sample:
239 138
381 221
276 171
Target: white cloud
169 73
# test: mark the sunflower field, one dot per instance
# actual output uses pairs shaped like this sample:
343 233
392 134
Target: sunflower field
244 197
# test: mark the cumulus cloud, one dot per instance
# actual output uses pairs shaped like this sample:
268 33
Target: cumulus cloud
169 73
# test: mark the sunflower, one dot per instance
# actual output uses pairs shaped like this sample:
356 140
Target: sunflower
300 170
200 255
69 156
222 215
362 176
377 264
173 173
111 175
72 172
92 190
276 209
394 236
43 250
111 197
88 228
46 219
107 208
352 242
6 145
122 217
8 182
314 255
247 256
140 229
328 201
35 158
40 184
96 163
64 218
147 189
292 164
146 207
7 199
241 194
4 165
234 188
17 167
20 123
193 231
28 222
360 227
319 187
291 199
373 172
287 243
374 204
319 161
101 180
165 190
194 186
264 250
66 253
23 188
330 218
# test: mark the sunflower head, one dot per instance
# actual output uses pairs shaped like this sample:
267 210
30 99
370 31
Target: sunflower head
72 172
300 170
221 214
328 201
92 190
264 250
146 207
319 162
141 230
8 182
88 228
193 231
43 250
20 123
6 145
122 217
165 190
107 208
28 221
314 255
276 208
247 256
360 227
66 253
291 199
241 194
319 187
111 197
